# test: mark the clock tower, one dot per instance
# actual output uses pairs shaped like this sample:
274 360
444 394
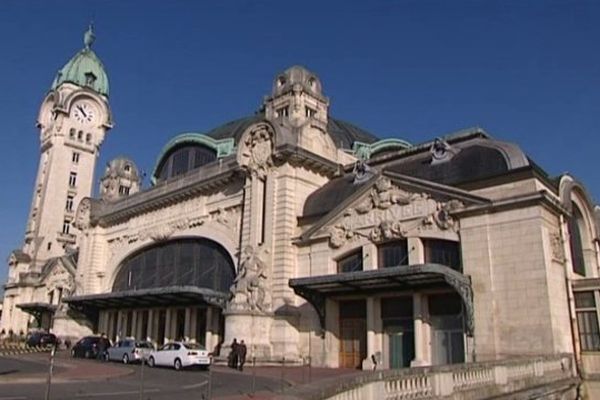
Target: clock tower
73 120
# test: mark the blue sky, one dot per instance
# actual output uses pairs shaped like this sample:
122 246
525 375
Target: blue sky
526 71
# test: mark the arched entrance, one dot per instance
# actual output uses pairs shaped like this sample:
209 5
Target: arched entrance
173 290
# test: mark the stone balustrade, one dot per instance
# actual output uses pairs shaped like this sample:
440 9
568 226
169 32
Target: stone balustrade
459 381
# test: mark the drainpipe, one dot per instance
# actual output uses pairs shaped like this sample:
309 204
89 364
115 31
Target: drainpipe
570 298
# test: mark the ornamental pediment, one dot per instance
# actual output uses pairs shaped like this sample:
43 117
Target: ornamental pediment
388 210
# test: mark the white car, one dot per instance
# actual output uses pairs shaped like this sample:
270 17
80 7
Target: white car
180 355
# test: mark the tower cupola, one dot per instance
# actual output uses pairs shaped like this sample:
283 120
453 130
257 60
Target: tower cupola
85 68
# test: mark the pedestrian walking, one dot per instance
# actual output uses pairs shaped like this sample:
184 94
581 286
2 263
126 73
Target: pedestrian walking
242 350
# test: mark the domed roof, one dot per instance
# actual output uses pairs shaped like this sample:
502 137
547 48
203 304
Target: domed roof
84 69
343 134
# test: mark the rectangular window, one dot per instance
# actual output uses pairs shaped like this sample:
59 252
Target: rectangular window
310 112
393 254
283 111
123 190
73 179
443 252
66 226
351 263
69 205
587 321
75 157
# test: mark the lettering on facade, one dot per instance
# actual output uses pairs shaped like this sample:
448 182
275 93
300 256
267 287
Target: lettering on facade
388 212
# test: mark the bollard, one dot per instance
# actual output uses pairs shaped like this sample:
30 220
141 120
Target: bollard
49 380
142 377
253 376
282 374
309 369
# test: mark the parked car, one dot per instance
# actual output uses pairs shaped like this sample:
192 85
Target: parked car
89 346
42 339
180 355
129 350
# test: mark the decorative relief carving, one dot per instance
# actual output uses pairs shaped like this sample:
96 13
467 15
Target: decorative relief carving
557 246
228 217
82 216
389 212
256 150
250 291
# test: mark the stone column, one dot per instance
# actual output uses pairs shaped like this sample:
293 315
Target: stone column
134 322
119 325
209 329
419 331
371 345
149 334
370 256
187 328
194 325
168 317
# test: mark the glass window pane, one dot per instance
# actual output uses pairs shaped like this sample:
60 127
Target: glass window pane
443 252
585 300
393 254
351 263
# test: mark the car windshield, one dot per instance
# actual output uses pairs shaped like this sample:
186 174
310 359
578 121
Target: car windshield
193 346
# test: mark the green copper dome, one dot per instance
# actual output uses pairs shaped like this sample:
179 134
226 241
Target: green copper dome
84 69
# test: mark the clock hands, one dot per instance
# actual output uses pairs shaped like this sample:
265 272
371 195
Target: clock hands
80 108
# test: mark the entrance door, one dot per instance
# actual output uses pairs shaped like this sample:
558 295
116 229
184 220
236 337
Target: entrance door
353 333
446 319
401 346
162 319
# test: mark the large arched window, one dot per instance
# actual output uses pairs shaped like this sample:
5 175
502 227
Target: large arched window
577 233
186 262
184 159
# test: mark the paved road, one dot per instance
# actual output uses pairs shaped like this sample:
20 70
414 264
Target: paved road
10 366
159 384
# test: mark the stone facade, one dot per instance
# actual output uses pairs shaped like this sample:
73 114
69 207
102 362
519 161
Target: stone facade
307 237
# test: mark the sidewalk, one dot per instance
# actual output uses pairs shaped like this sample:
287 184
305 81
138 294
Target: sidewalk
293 376
66 369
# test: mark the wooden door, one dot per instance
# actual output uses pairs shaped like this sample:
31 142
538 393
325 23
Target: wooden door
353 342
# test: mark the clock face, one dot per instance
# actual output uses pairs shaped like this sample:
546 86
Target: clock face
84 113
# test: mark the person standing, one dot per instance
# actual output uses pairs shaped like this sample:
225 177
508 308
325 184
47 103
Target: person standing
101 347
242 350
233 354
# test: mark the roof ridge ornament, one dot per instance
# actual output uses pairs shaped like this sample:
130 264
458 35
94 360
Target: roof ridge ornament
362 172
89 37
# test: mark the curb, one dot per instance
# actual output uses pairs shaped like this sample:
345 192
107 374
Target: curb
16 349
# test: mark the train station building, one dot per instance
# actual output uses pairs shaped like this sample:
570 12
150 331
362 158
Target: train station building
304 235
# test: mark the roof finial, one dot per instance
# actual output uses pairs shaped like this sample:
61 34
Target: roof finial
89 37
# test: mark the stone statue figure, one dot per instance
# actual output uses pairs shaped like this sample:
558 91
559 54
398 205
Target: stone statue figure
249 290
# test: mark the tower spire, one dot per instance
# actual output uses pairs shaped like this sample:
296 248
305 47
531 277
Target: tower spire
89 37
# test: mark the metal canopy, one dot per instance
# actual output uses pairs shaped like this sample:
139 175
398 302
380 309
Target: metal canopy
316 289
153 297
37 309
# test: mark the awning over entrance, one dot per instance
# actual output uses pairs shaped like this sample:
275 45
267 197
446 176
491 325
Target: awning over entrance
316 289
154 297
37 309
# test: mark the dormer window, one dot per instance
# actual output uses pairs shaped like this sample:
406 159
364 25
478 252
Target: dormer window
283 112
280 81
310 112
90 78
312 82
127 168
123 190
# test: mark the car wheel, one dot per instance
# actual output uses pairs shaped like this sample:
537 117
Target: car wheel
125 359
151 362
177 364
88 354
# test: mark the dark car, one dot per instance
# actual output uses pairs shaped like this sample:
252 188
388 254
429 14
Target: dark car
42 339
89 346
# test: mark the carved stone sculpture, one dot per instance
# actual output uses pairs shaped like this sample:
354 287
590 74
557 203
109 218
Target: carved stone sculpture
256 150
82 216
249 290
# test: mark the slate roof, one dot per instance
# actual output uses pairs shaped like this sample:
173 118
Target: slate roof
343 134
